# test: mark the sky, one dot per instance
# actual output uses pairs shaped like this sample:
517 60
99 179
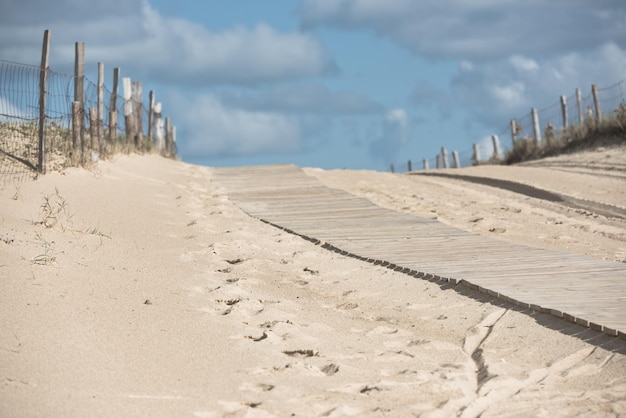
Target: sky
357 84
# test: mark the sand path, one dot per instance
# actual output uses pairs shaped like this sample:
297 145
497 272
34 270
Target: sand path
151 294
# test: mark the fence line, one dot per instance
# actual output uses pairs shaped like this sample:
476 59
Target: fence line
539 126
43 127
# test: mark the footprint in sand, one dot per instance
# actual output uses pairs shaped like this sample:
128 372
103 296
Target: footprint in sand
347 306
330 369
230 303
301 353
257 387
245 307
261 337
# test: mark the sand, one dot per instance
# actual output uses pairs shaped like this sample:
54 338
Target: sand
143 291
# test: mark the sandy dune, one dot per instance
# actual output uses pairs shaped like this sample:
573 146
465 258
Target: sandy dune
592 178
143 291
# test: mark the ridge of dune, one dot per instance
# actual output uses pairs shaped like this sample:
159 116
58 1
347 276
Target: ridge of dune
597 175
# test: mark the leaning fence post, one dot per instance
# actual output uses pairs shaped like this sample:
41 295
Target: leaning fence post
113 109
168 135
455 158
476 156
496 147
150 117
174 147
79 94
564 111
100 108
128 111
138 115
43 86
113 100
579 102
536 128
513 132
596 102
444 157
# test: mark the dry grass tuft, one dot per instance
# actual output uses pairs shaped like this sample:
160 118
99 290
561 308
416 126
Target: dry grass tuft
610 130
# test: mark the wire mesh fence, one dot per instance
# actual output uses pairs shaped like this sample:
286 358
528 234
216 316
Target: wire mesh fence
19 116
556 122
70 132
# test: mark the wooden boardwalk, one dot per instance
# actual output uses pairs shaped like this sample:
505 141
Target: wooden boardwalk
582 289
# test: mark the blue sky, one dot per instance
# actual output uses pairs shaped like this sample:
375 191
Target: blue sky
352 84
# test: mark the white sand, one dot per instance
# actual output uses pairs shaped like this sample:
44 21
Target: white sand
243 319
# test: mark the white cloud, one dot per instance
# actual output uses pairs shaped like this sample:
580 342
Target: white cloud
214 130
143 42
511 95
512 55
521 63
466 66
497 90
302 99
471 29
396 133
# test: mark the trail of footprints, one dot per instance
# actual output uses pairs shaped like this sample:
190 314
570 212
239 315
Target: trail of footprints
391 347
388 355
294 349
393 357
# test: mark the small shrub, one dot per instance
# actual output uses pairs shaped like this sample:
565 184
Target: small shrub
589 134
47 257
53 211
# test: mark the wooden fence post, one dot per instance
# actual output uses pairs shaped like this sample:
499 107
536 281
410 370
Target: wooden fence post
138 115
444 157
438 161
476 156
77 121
596 103
513 132
425 163
409 166
158 130
100 108
151 117
536 127
579 103
168 135
128 112
113 130
564 111
455 158
174 147
113 100
79 94
496 147
93 129
113 109
43 87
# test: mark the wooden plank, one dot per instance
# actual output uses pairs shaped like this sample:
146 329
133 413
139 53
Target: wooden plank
582 289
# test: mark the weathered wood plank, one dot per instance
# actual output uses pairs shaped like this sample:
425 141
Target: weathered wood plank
582 289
